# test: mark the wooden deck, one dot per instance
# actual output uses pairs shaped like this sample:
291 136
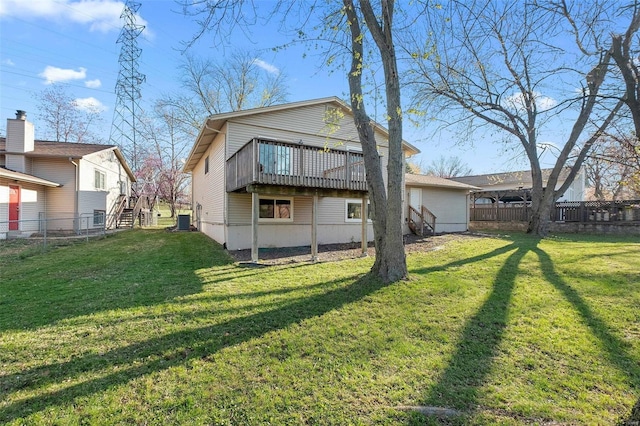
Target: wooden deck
263 162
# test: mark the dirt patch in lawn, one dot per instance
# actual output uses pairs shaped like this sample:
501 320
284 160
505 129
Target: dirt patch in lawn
334 252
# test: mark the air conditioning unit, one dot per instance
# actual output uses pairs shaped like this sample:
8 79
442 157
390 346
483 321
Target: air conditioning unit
184 222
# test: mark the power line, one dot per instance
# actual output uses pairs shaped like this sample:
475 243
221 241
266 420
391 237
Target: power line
124 125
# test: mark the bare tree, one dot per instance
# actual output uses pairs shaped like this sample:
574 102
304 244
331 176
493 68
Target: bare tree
364 37
64 120
613 168
448 167
508 66
212 87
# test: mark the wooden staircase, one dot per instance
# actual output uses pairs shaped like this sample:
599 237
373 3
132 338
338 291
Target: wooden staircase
126 219
422 222
125 212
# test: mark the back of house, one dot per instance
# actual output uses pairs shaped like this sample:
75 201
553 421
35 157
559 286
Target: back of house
286 175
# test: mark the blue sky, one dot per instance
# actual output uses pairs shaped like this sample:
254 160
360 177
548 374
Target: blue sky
73 43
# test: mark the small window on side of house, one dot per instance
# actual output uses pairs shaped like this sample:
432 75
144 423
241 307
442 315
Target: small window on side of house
98 217
99 180
206 165
353 210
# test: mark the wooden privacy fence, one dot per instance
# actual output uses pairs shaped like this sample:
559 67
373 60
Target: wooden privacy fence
566 211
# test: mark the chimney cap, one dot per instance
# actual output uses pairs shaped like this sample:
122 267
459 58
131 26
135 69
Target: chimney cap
21 114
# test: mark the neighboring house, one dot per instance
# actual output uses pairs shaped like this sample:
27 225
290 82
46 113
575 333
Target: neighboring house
516 186
437 204
68 186
282 176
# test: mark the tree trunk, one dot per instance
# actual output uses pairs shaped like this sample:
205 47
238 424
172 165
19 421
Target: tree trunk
540 220
390 264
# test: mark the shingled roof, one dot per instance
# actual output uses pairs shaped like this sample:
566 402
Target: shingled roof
434 181
59 149
51 149
518 179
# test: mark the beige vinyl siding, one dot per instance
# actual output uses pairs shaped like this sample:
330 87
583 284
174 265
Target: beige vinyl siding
60 201
306 123
292 235
91 198
331 211
208 190
240 209
450 207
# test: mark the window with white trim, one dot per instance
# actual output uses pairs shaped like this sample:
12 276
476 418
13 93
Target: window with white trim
353 210
99 180
276 209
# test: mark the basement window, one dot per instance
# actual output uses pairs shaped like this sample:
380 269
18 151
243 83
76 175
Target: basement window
353 210
276 209
98 217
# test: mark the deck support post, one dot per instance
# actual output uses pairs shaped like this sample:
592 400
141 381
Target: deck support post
255 213
314 229
365 216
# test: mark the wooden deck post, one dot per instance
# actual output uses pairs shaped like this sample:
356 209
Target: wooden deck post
314 229
364 214
255 213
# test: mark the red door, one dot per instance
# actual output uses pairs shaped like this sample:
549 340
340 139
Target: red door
14 207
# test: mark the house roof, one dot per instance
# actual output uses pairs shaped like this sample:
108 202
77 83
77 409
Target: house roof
23 177
214 124
437 182
51 149
517 179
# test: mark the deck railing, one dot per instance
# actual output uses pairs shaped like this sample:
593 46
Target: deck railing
566 211
263 161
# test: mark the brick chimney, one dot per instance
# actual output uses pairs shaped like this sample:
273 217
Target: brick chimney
20 140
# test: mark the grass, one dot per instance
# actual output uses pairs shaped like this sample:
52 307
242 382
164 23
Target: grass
153 327
164 219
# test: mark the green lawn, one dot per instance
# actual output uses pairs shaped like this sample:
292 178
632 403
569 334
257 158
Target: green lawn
154 327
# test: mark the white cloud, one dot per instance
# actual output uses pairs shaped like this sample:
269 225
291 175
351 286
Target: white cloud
99 15
9 62
90 104
271 69
542 102
56 75
93 84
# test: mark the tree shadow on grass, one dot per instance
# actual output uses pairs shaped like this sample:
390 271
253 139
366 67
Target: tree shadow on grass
152 268
612 346
469 366
458 385
164 352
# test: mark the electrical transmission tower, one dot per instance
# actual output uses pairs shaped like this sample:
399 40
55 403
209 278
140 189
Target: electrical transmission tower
124 132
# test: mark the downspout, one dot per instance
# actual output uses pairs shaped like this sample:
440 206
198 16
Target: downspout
76 200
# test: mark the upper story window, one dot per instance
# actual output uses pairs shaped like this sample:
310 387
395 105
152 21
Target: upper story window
206 165
99 180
